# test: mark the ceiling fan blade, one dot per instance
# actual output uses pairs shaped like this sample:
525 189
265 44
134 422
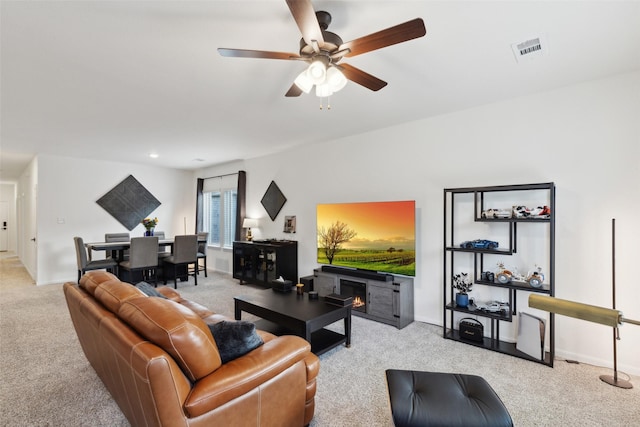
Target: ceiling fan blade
305 17
400 33
294 90
356 75
247 53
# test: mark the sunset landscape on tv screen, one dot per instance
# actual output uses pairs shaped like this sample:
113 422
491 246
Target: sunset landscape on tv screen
377 236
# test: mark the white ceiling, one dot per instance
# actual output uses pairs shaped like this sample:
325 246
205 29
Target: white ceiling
117 80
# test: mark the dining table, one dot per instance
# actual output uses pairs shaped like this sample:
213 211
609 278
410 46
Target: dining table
120 247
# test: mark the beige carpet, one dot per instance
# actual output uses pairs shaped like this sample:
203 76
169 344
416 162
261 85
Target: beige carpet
46 380
12 272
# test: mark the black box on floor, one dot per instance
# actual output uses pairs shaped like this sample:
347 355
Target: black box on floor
336 299
281 286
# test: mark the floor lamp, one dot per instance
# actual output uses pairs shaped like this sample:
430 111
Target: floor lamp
591 313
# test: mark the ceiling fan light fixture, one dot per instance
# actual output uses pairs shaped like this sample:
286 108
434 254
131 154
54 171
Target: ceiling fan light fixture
323 49
335 79
323 90
317 72
304 82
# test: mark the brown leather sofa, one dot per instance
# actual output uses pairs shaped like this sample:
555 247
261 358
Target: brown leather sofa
158 359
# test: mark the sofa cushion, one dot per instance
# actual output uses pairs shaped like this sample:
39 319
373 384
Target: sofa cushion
177 330
92 279
235 339
113 293
149 290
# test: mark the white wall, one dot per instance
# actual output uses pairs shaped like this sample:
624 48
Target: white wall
67 192
585 138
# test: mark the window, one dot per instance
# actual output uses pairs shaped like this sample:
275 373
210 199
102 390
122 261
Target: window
219 213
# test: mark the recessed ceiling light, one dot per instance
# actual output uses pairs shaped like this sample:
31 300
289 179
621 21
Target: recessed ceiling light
154 155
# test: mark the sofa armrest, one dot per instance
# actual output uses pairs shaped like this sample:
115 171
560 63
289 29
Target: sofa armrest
239 376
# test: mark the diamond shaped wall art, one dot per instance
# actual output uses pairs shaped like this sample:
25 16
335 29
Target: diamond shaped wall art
129 202
273 200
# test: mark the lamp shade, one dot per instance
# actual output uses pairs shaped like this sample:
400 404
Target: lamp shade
323 90
303 82
335 79
250 223
317 72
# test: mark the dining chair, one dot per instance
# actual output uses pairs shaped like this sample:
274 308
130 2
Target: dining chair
143 257
85 265
162 250
185 252
202 252
117 237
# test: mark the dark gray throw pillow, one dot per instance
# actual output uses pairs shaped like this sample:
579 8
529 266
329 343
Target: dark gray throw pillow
235 339
149 290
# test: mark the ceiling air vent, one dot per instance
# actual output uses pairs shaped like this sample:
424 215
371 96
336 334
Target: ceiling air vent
530 49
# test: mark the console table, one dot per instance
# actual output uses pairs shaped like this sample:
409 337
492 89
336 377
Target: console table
261 261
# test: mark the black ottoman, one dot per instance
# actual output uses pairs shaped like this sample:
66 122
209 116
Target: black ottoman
439 399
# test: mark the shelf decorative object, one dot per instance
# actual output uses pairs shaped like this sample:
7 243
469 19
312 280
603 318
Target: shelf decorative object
462 283
503 275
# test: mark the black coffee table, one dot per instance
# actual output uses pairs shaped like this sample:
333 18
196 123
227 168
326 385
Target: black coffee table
295 314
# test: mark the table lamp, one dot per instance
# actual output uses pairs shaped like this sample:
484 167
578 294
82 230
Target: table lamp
249 223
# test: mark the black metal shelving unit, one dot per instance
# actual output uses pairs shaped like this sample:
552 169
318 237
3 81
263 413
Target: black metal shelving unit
452 251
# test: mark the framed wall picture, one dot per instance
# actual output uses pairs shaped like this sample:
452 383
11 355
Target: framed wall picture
290 224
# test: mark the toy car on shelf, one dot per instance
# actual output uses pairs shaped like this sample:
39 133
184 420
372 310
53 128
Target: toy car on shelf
493 307
479 244
496 213
503 275
540 212
521 212
535 278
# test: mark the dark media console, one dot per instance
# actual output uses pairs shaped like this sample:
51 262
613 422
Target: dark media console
261 262
364 274
377 296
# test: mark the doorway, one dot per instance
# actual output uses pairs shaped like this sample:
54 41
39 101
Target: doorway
4 221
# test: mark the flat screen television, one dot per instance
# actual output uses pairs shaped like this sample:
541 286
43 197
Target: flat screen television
374 236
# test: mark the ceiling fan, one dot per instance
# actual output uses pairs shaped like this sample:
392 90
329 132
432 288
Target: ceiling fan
323 50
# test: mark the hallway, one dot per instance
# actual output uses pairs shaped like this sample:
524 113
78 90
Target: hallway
12 272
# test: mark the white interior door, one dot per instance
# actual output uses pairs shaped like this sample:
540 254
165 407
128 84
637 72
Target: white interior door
4 231
32 264
27 245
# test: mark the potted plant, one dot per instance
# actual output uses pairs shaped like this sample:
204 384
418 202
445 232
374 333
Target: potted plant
462 283
150 225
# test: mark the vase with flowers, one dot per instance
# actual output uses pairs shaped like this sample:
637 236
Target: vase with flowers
150 225
462 283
